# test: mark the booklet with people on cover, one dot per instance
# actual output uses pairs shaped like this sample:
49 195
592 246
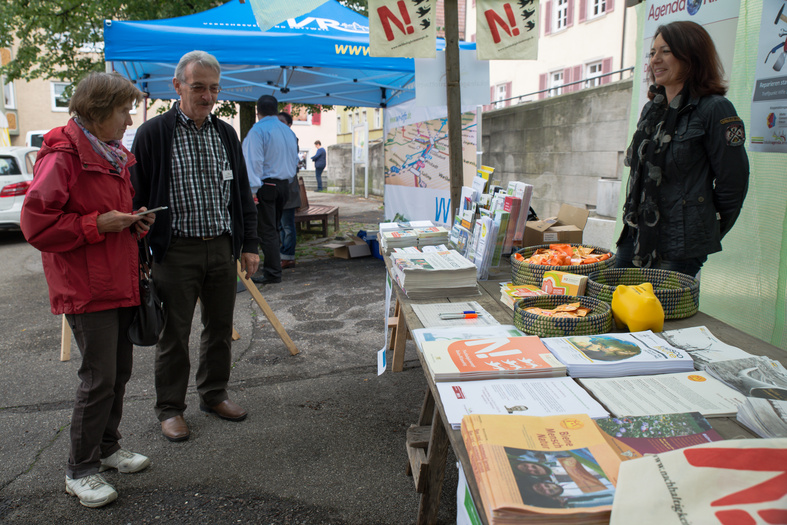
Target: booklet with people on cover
618 354
554 469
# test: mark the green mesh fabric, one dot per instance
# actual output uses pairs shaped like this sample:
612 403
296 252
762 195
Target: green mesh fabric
745 285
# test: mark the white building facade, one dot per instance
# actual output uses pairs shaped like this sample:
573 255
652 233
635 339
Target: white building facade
581 42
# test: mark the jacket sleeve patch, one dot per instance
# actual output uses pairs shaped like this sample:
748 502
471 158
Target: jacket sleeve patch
734 134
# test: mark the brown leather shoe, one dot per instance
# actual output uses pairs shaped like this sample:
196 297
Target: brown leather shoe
175 429
287 264
225 410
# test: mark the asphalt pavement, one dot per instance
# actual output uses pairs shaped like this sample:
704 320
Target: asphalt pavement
324 442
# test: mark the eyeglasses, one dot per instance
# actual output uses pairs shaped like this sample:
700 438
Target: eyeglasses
201 88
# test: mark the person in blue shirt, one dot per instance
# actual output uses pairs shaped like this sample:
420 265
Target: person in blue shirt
319 163
271 154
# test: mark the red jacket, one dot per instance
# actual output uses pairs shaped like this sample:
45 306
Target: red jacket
87 271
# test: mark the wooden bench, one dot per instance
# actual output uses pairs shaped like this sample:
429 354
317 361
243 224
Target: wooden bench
314 213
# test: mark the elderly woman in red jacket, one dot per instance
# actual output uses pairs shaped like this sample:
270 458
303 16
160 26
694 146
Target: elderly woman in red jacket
78 213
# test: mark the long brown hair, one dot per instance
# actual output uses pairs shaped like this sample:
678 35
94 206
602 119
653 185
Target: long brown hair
693 46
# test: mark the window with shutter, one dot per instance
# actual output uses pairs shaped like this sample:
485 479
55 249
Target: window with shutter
606 67
570 13
593 72
548 17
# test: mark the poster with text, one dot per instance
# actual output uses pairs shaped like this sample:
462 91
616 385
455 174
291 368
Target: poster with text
719 18
402 28
768 128
507 30
417 174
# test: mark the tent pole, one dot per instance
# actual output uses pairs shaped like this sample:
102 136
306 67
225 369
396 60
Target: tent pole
454 102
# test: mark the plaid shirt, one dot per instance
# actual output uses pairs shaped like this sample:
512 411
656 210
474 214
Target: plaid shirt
200 199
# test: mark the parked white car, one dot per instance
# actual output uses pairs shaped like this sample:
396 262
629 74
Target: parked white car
16 174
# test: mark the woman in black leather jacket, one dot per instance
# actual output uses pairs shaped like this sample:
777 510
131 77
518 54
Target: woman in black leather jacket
689 169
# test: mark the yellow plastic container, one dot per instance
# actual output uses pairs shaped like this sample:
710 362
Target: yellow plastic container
638 308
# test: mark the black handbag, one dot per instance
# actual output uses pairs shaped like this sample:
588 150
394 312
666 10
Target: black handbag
148 318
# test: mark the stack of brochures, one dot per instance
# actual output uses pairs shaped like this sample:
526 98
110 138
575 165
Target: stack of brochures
554 469
702 345
490 358
534 397
764 383
432 236
430 274
615 355
765 417
415 233
510 293
390 240
665 394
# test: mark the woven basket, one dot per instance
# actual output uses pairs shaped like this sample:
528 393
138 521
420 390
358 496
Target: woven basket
678 293
526 273
598 321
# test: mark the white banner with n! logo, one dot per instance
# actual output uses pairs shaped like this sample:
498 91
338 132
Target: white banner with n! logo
507 30
402 28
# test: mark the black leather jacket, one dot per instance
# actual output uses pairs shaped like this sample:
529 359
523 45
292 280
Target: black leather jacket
704 181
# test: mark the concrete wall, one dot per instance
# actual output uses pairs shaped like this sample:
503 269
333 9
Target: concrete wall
562 146
339 169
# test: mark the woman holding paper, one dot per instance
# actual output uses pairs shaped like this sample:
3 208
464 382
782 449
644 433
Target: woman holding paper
689 169
78 213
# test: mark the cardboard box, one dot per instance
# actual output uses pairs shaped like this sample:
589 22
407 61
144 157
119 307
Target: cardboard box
350 249
567 227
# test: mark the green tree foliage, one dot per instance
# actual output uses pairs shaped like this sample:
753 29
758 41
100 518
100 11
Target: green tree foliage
63 39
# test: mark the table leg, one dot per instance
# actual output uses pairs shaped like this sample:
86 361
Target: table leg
398 337
427 450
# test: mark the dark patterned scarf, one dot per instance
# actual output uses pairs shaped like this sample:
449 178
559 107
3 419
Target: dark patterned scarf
646 157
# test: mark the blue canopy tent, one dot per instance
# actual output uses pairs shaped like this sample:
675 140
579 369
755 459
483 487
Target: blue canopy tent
318 58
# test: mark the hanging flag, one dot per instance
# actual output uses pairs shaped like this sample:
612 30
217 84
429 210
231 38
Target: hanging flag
402 28
269 13
507 30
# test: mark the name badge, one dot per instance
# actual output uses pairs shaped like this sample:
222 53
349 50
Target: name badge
226 174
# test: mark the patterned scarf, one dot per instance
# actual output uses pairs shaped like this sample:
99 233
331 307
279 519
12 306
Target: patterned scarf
112 151
646 156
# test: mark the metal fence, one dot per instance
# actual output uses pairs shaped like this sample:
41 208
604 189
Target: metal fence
501 103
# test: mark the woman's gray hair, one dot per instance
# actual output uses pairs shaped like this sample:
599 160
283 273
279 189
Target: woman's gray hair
196 57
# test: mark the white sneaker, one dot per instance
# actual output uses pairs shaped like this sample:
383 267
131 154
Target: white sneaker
125 461
93 491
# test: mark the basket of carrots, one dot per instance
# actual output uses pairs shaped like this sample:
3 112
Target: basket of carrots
529 264
562 316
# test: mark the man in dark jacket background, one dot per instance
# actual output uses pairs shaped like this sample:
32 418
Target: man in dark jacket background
192 162
319 163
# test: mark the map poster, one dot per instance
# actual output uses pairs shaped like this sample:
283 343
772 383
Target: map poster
768 129
417 175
